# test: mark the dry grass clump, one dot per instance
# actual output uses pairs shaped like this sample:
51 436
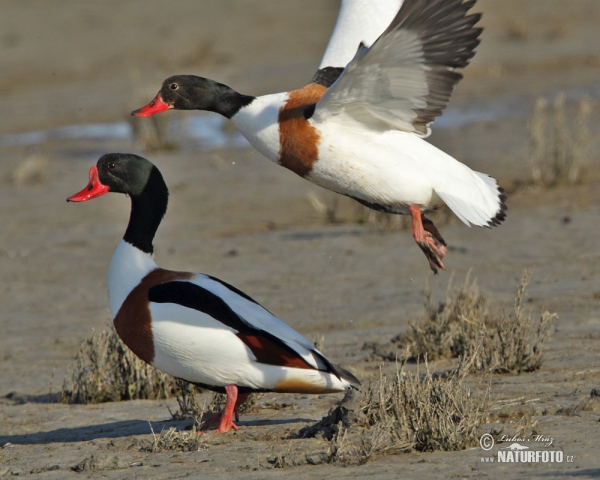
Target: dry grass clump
451 329
251 405
190 408
173 439
106 370
516 339
403 412
185 393
559 145
499 341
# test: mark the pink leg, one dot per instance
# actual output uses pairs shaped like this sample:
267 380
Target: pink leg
223 421
433 249
241 399
227 413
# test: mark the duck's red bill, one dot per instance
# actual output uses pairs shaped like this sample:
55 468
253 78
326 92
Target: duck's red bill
155 106
94 189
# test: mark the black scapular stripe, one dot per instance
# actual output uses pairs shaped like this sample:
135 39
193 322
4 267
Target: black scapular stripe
234 290
193 296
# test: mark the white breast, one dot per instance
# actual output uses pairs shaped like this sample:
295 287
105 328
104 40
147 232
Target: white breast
128 267
258 122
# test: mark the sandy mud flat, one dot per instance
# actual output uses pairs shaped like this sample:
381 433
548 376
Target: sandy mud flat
70 76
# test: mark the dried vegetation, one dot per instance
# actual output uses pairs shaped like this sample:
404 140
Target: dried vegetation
423 411
173 439
466 326
403 412
106 370
185 393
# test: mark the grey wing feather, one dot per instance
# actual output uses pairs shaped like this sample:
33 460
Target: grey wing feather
405 79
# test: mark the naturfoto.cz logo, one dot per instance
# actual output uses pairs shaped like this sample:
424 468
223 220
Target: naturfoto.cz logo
517 453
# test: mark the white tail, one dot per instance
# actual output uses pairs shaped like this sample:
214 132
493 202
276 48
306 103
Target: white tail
475 198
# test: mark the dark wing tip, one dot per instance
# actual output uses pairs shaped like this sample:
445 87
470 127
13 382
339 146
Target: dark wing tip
445 27
501 215
338 371
346 375
448 36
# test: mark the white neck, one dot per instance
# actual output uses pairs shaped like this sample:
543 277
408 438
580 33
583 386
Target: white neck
258 123
128 267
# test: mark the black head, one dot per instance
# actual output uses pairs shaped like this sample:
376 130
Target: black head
189 92
120 173
137 177
126 173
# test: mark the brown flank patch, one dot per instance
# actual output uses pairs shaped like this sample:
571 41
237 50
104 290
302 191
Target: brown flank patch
297 137
133 322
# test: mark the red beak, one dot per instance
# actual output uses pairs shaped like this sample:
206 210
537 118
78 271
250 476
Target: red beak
94 189
155 106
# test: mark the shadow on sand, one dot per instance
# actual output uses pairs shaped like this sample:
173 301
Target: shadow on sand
123 428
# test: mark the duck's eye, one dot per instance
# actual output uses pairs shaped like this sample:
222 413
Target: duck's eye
111 166
174 86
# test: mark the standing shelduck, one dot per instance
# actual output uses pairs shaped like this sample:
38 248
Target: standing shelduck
194 326
359 130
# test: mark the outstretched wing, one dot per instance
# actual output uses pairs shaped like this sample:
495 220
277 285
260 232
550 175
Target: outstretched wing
405 79
358 22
